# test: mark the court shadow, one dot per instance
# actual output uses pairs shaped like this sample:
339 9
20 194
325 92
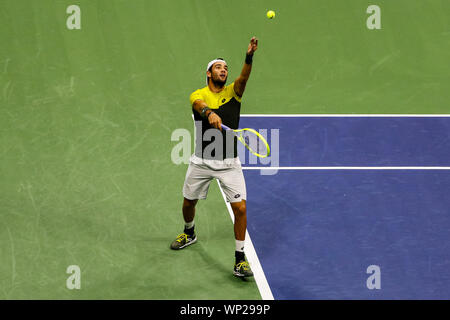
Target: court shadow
216 263
209 259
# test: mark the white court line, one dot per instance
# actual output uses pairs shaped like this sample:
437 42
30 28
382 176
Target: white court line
345 168
346 115
250 252
260 278
252 257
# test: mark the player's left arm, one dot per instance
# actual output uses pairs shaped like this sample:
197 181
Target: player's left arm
241 81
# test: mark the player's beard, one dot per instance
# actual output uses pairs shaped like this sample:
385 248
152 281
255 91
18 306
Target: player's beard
217 82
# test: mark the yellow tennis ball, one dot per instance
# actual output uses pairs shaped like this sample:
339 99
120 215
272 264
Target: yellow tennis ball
270 14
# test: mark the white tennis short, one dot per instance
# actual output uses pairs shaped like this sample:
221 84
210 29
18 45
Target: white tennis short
228 172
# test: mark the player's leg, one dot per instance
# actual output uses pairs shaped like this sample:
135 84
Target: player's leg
189 215
240 220
195 187
188 236
240 226
241 267
233 185
189 210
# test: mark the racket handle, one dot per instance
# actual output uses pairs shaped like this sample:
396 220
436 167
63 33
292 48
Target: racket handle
225 127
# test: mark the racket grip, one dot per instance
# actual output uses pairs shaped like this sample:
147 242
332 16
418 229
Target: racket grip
225 127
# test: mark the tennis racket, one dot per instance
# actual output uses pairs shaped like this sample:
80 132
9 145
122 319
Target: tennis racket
252 140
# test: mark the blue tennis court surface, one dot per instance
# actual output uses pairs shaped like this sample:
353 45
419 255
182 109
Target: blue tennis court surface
317 231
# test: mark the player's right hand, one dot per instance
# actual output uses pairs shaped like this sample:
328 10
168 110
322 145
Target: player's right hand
215 121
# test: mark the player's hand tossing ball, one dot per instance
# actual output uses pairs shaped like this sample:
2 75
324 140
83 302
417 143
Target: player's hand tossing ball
270 14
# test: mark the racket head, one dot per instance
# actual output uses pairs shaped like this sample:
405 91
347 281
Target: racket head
254 142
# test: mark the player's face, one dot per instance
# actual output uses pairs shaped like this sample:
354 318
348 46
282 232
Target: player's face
219 73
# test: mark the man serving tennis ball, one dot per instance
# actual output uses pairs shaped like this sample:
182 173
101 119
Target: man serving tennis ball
213 105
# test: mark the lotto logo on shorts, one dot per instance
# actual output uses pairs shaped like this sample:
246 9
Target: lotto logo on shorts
237 196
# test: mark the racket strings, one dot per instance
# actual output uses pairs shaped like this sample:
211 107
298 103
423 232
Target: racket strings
255 143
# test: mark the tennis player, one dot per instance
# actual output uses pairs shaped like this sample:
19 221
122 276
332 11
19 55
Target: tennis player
213 105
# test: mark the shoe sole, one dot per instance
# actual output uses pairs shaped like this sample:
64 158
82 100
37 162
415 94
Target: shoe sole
187 244
241 275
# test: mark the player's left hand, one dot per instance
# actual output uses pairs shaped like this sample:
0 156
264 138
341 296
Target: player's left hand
253 45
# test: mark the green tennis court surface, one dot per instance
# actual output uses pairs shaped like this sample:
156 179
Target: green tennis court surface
86 117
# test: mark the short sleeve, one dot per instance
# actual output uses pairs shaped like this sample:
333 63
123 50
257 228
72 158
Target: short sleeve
233 93
196 95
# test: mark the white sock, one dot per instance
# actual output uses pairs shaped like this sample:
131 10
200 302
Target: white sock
240 245
189 225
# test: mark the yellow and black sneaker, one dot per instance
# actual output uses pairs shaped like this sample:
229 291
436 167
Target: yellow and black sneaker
183 240
242 269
